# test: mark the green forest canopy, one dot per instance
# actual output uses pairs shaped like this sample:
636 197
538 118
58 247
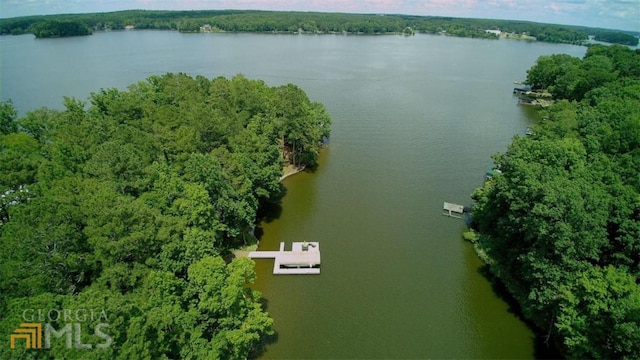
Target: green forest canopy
561 224
53 28
270 21
616 38
127 203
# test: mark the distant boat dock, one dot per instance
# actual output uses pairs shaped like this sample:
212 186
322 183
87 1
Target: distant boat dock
453 210
304 258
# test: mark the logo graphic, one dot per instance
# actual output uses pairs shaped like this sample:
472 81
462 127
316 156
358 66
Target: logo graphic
64 324
31 333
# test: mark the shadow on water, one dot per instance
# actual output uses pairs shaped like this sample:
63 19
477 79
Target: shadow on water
268 211
311 168
260 348
272 209
543 348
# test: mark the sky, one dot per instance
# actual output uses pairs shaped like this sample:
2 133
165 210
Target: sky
610 14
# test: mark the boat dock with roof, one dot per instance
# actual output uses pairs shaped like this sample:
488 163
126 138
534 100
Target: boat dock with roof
304 258
453 210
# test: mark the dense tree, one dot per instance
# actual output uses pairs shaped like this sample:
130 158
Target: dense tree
54 28
127 203
601 304
7 118
561 223
19 160
570 78
549 68
616 38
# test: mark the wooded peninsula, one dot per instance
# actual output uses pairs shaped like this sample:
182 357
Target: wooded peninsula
304 22
131 203
560 226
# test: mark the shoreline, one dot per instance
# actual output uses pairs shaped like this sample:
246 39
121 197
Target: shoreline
291 170
243 252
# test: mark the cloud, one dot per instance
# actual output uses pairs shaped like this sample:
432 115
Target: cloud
555 7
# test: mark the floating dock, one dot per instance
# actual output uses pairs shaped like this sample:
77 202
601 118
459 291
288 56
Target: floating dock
304 258
453 210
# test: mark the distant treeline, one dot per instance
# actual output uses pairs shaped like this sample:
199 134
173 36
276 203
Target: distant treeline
291 22
617 38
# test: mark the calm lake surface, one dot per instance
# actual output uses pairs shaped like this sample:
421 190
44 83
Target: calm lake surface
416 120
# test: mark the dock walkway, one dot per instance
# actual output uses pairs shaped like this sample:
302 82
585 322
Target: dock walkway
304 258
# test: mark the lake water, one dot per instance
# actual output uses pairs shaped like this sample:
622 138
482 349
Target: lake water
415 122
